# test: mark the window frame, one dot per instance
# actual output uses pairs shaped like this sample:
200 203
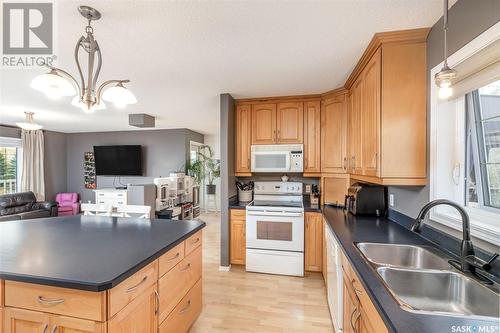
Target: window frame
484 222
15 143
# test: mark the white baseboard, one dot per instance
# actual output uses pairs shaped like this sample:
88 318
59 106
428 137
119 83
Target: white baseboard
224 268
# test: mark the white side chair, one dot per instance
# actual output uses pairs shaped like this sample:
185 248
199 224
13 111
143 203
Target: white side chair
126 210
96 209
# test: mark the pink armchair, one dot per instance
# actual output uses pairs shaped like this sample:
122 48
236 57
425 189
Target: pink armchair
67 204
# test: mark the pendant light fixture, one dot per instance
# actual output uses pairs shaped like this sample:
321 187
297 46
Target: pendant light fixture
29 124
88 96
444 79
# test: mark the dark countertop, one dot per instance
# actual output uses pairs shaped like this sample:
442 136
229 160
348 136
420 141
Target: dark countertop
85 252
348 229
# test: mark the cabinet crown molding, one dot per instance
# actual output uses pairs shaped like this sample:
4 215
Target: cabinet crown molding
380 38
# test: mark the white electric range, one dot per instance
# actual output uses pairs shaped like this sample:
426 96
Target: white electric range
275 229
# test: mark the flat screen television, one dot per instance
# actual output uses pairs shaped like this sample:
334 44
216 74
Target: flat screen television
118 160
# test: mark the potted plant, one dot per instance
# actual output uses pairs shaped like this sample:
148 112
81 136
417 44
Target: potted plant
205 167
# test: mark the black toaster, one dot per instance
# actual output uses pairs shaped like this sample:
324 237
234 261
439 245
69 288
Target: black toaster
366 199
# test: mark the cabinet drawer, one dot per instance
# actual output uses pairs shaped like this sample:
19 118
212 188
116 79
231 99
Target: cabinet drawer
193 242
171 258
128 290
185 313
175 284
69 302
238 214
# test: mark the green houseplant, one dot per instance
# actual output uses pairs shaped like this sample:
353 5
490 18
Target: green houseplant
205 167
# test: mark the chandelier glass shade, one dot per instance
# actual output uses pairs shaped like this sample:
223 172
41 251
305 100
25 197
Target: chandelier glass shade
87 94
29 124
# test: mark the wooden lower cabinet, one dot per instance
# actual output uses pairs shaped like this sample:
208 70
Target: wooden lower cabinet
350 309
141 315
237 227
133 306
25 321
185 313
313 244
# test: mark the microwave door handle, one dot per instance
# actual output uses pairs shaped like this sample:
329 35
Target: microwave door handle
288 161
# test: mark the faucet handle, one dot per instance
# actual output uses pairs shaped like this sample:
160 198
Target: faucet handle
480 263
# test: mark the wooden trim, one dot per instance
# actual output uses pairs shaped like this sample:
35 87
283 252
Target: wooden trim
391 181
312 174
334 92
243 174
400 36
275 99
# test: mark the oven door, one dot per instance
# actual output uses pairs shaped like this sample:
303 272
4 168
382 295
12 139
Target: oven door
270 161
275 230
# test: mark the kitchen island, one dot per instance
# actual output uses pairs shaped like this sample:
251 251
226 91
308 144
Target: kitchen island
100 274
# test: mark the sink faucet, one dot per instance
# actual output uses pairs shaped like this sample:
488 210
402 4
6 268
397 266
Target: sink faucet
469 262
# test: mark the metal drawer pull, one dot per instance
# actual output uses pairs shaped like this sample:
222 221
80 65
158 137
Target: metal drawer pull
175 257
350 320
186 268
356 321
137 285
157 307
186 308
357 291
54 329
44 301
45 328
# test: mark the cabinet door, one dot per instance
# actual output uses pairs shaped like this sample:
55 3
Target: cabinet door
312 137
355 128
351 312
238 241
290 123
25 321
243 138
62 324
313 249
334 134
141 315
263 124
335 188
364 323
371 116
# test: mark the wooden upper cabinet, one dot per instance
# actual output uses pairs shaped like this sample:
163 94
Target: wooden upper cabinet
371 116
290 123
387 110
334 133
264 124
243 138
312 137
355 157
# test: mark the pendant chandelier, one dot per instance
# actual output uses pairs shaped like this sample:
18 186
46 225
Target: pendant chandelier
29 124
87 95
444 79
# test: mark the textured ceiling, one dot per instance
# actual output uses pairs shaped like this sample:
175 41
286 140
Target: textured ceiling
181 55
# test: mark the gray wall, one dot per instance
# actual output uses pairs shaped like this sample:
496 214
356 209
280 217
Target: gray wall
467 19
55 164
164 151
228 186
55 159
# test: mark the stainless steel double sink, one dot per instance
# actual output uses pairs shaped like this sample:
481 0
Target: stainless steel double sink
421 280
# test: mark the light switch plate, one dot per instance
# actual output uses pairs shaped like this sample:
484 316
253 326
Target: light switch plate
391 200
308 188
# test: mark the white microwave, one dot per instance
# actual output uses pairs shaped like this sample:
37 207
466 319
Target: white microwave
277 158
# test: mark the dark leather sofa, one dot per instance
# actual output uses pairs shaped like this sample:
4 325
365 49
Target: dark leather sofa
23 206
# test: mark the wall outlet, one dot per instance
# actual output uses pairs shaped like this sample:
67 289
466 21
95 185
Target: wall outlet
308 188
391 200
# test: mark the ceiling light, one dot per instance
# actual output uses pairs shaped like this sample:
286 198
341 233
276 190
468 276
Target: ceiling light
119 96
29 124
58 83
444 79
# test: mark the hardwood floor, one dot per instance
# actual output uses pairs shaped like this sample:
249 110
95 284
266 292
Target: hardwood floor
238 301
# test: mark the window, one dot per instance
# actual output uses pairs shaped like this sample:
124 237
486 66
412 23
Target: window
10 165
465 139
483 146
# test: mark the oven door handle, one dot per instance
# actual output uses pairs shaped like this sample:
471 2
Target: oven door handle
274 213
